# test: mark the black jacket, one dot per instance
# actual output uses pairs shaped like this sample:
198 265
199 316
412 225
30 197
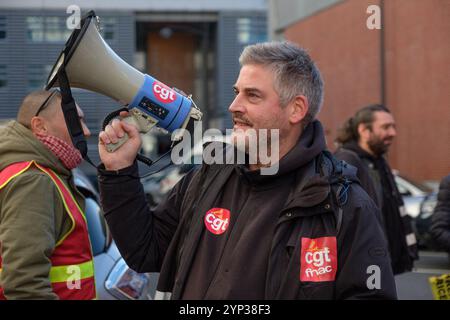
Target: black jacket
354 155
377 179
440 225
166 239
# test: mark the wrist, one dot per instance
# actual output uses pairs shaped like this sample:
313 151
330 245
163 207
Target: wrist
111 171
116 166
117 177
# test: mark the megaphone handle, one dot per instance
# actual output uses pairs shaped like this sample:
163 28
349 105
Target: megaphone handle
111 147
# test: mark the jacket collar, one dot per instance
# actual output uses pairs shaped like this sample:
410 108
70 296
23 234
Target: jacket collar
313 187
310 189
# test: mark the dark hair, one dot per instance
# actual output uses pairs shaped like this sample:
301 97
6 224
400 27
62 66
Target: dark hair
349 130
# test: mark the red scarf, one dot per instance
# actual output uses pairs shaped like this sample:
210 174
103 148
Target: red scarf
68 154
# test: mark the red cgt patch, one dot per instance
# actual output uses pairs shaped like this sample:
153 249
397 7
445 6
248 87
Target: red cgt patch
318 259
217 220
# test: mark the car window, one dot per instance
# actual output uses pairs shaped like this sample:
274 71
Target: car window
419 186
401 188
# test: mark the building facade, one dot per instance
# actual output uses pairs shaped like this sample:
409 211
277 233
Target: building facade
191 45
404 65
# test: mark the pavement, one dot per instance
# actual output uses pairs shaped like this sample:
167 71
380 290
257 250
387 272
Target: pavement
414 285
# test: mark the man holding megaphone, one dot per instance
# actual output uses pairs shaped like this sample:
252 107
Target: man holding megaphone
227 231
89 63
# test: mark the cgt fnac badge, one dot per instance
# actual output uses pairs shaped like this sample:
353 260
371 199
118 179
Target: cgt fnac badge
217 220
163 93
318 259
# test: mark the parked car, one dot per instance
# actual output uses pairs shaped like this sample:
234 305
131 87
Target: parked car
113 278
413 194
420 201
159 184
423 222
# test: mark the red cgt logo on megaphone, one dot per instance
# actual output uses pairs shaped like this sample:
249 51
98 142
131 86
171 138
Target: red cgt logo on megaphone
163 93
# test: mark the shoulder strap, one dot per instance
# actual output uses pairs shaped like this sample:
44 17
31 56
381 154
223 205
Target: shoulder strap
339 183
13 170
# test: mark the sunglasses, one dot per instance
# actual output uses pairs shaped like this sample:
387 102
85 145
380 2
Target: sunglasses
46 102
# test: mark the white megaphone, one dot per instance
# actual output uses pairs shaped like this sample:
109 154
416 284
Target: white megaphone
92 65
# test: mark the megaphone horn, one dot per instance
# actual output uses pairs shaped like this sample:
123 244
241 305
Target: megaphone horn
91 64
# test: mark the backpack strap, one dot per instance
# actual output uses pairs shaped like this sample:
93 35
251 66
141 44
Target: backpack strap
339 183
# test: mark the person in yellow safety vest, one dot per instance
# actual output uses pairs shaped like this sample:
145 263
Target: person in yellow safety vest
45 251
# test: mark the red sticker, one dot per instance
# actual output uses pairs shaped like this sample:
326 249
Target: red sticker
163 93
318 259
217 220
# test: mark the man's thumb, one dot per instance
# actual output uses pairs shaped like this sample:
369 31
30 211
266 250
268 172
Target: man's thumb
130 129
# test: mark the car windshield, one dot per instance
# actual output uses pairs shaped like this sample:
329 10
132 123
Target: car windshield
419 186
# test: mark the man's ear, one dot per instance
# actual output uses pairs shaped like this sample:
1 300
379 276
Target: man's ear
299 108
363 131
38 125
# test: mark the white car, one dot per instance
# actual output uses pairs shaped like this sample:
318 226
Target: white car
113 278
413 194
420 201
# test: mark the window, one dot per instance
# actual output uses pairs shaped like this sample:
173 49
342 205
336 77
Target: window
56 29
37 76
3 76
402 189
243 30
108 28
35 29
2 27
48 29
251 30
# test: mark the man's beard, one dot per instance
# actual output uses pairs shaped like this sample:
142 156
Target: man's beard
240 133
378 146
258 138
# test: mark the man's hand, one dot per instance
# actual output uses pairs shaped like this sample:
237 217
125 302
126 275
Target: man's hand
125 155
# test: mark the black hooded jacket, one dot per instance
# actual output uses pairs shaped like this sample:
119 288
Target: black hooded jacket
283 243
440 225
377 179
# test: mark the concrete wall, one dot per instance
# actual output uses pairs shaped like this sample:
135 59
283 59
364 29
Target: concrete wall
141 5
417 59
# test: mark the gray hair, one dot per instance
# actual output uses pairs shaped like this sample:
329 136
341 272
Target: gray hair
295 73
